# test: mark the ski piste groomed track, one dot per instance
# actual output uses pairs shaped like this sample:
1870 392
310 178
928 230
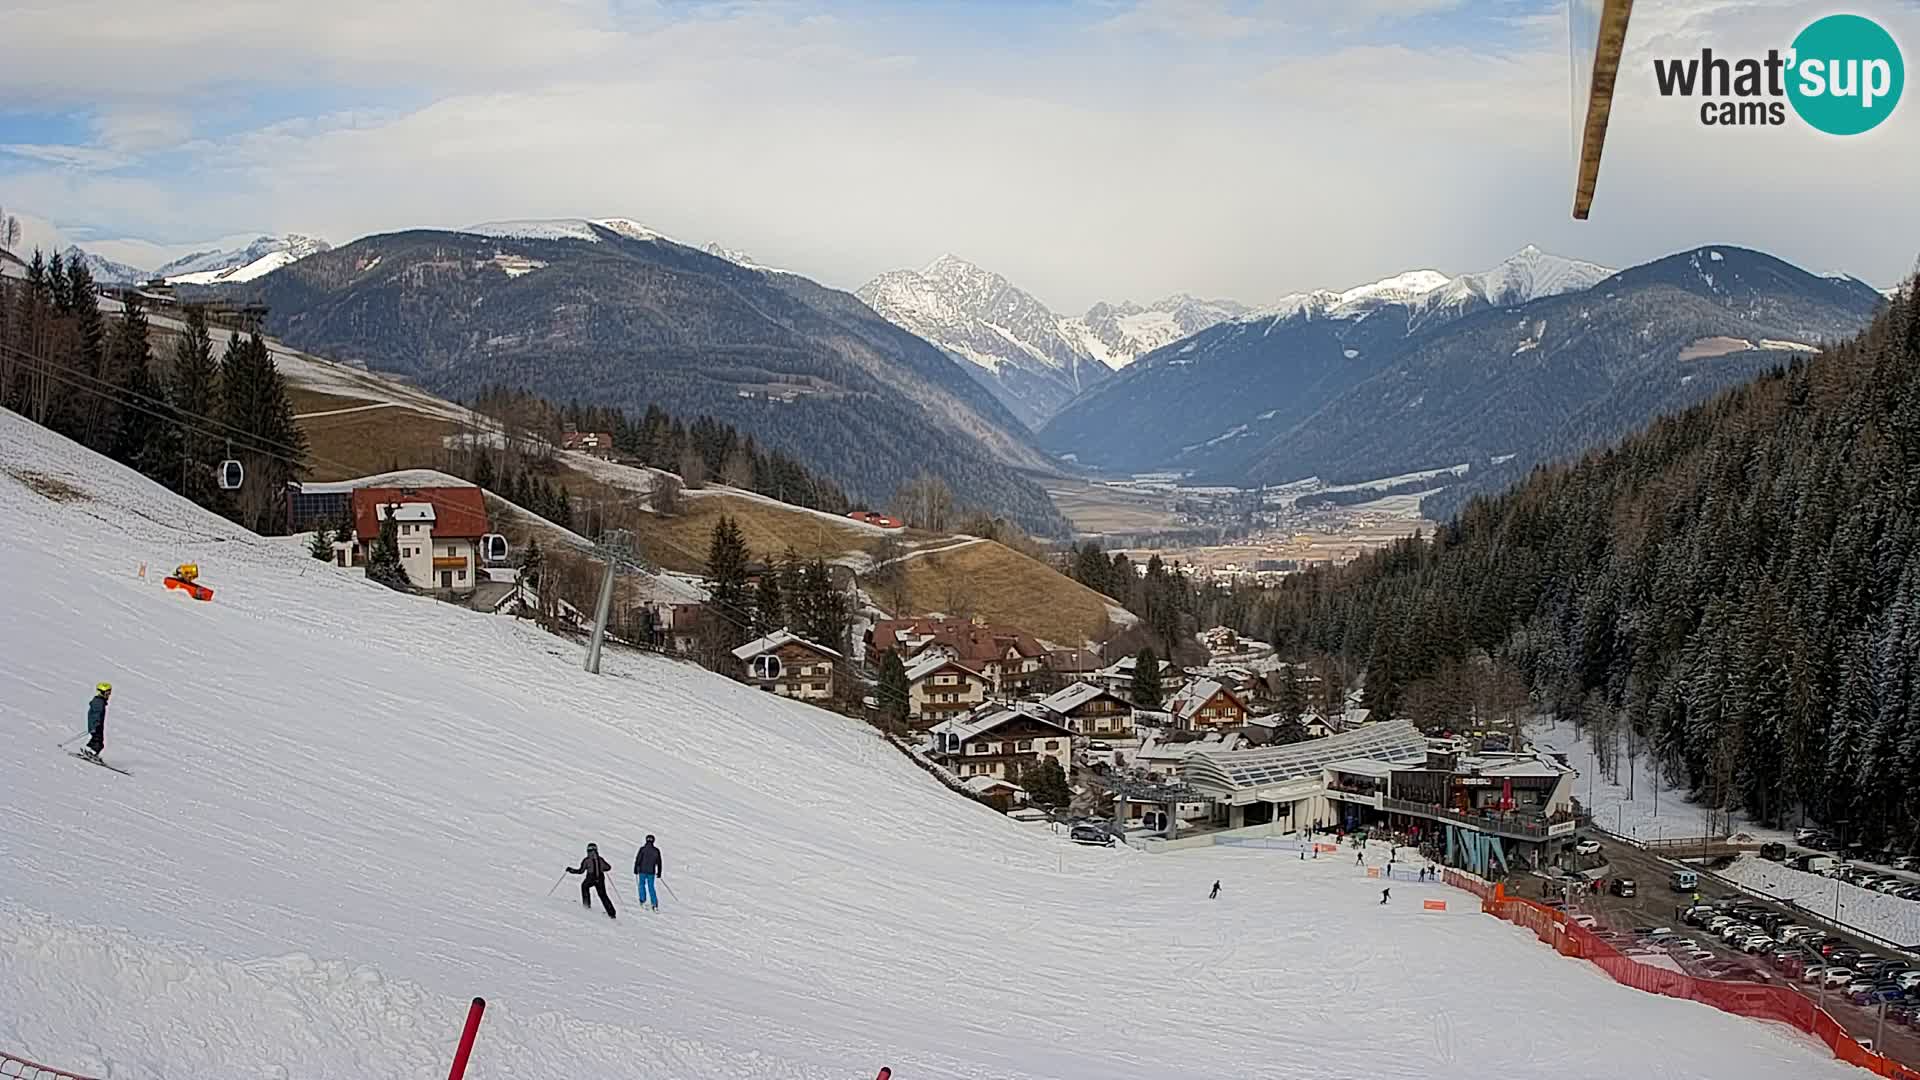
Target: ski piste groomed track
348 806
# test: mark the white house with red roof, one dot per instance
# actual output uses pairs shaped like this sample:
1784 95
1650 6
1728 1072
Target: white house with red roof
437 529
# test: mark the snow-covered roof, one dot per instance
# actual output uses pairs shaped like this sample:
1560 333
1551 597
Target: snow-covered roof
413 511
403 478
933 662
1073 697
980 785
1528 767
1192 697
775 640
983 720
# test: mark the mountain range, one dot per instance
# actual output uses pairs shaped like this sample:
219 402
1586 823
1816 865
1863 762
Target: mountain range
1033 360
1537 357
214 266
610 312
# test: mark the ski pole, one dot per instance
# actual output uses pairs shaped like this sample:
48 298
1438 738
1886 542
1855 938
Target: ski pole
556 884
71 741
670 892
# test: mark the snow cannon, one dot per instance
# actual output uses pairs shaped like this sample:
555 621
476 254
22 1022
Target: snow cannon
186 578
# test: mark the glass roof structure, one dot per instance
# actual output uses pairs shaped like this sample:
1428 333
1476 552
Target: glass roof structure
1397 742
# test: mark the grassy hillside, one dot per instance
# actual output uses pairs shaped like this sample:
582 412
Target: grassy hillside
358 424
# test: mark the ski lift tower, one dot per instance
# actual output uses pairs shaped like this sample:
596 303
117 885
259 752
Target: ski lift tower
1153 791
616 549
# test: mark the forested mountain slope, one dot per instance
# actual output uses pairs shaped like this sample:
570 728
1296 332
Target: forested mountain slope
1738 586
608 317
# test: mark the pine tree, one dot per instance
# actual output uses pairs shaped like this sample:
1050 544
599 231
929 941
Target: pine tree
321 546
727 581
193 394
1046 783
769 605
1146 680
268 443
143 438
894 689
383 559
483 471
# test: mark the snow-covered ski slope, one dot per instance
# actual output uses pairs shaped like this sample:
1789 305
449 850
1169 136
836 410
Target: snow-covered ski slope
348 807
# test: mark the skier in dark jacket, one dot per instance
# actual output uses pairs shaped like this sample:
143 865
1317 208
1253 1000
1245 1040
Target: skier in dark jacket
1216 891
97 719
595 868
647 866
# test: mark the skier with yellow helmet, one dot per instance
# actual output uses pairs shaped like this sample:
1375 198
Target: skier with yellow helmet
97 719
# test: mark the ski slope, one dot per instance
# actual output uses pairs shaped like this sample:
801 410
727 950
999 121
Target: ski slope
348 807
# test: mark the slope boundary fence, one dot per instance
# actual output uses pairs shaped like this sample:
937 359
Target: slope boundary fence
19 1068
1758 1001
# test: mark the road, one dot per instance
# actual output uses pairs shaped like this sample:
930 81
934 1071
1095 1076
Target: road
1656 905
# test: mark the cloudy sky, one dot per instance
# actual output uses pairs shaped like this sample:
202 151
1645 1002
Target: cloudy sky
1088 149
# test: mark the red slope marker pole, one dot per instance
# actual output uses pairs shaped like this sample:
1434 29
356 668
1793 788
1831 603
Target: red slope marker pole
466 1039
885 1074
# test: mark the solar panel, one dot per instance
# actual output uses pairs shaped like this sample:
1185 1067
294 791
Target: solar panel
1398 742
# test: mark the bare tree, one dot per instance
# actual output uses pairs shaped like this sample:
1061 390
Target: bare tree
693 469
666 495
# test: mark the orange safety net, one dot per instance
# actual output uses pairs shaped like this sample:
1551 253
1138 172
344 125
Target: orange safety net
1758 1000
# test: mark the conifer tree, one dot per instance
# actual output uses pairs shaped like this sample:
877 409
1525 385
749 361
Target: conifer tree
769 605
1146 691
321 546
383 559
727 558
893 692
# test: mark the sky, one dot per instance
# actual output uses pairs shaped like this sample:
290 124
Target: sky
1087 149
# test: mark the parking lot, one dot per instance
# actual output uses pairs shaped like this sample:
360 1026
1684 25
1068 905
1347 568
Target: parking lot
1655 906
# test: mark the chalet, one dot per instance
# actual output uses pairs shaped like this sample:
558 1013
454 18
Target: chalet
1000 741
1010 659
1093 711
939 688
11 267
597 443
787 664
1205 705
1118 676
1074 663
437 529
1002 795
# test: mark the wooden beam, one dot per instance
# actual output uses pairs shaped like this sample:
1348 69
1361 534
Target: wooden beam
1606 69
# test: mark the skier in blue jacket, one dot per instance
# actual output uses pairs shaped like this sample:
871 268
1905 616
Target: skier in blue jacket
97 719
647 866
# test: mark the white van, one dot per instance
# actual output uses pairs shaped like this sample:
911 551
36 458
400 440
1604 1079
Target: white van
1683 881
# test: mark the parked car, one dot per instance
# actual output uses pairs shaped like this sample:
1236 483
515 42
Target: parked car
1090 834
1844 956
1621 886
1683 881
1719 922
1813 973
1907 862
1908 980
1757 943
1773 852
1587 921
1792 931
1835 977
1586 846
1733 932
1819 842
1868 964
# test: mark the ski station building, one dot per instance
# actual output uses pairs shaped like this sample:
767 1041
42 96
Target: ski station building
1487 814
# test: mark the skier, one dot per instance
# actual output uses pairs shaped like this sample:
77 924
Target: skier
1360 858
1383 895
595 868
647 865
97 719
1215 894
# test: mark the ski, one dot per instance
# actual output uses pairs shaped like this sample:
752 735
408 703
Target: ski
96 761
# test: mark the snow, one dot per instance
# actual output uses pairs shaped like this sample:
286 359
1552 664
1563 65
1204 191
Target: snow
260 267
1404 478
1350 353
841 520
1884 916
334 837
1716 256
1635 818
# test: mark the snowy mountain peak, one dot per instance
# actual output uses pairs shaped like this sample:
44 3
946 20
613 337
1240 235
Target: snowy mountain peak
1397 289
260 257
1527 274
104 270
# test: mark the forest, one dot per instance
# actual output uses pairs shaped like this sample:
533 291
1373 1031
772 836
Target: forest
175 415
1731 596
